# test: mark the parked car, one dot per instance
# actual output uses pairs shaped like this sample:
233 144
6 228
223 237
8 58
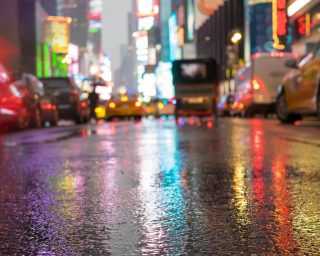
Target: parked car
71 102
124 107
257 84
14 113
225 105
43 108
299 94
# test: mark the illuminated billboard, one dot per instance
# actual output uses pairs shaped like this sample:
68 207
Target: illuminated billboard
95 10
73 59
296 6
146 23
147 8
175 50
142 45
164 80
208 7
279 24
190 20
57 33
261 28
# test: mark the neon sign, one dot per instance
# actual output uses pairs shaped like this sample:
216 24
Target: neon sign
279 24
147 8
304 25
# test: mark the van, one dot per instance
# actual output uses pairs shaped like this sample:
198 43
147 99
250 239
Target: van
195 82
256 85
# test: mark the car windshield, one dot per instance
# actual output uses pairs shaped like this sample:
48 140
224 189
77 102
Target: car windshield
316 51
56 84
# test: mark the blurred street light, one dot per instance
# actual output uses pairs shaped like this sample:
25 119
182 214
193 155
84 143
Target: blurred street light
232 52
236 37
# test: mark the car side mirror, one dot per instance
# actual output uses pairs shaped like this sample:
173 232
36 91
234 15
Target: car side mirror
291 64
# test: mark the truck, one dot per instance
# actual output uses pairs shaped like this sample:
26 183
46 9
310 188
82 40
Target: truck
256 84
196 87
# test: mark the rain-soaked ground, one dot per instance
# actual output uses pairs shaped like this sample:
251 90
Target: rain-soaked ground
242 187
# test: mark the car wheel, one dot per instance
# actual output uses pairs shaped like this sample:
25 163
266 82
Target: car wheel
282 111
246 113
55 120
23 122
137 118
109 119
78 119
86 119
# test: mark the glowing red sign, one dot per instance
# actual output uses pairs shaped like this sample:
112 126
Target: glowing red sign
282 17
302 28
147 8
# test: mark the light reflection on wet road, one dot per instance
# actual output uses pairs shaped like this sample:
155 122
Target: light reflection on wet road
153 188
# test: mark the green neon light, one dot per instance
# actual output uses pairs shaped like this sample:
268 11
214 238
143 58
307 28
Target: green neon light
46 60
39 61
54 64
93 30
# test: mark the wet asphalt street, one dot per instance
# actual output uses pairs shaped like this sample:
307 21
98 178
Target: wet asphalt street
242 187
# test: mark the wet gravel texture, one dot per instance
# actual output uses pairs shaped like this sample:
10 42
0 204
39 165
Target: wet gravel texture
242 187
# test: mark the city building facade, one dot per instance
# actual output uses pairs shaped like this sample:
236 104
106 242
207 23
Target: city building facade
304 24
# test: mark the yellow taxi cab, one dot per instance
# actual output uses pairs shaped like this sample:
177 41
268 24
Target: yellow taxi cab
100 111
166 107
150 108
124 107
160 107
299 94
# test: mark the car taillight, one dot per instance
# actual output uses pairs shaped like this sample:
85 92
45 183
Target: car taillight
112 105
256 85
48 106
138 104
18 101
4 100
83 104
124 98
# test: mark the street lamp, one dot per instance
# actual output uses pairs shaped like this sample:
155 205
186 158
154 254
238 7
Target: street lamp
233 54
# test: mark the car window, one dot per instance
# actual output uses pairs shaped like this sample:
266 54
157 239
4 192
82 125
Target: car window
310 56
56 84
37 86
317 52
